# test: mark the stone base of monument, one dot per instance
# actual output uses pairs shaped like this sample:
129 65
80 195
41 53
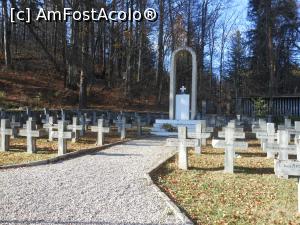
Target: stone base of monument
158 129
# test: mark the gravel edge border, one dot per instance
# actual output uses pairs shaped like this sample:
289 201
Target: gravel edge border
67 156
178 213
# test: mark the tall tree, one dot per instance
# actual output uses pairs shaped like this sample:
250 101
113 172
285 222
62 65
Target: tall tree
6 34
272 40
237 63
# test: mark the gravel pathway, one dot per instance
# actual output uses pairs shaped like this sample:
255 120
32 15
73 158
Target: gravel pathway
106 188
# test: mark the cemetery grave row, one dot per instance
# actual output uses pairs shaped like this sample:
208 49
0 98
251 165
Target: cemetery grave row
60 129
278 145
67 114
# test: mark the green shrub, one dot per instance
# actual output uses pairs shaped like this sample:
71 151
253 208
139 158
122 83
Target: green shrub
261 107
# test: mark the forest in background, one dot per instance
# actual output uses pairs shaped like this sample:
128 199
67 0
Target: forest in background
259 58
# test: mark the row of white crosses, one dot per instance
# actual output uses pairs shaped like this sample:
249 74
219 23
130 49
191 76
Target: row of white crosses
267 134
31 133
284 167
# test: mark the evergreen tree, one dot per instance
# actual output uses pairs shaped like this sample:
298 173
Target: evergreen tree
272 39
237 65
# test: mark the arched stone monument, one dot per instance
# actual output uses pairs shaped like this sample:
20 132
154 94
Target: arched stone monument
173 83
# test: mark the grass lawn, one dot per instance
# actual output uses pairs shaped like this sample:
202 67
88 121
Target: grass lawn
46 150
253 195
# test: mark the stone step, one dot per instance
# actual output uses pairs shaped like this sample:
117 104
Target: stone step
165 134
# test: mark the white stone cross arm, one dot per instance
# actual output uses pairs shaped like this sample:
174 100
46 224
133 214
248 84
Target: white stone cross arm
49 125
255 130
102 129
64 135
236 135
183 89
264 135
276 148
6 132
74 127
119 123
287 168
236 129
199 135
174 142
33 133
236 144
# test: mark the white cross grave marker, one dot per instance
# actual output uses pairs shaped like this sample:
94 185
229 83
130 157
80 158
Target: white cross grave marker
287 125
14 125
31 134
293 131
100 129
46 116
260 127
74 127
62 135
82 120
50 126
230 146
205 129
269 137
282 148
199 135
286 168
122 126
5 132
182 143
139 125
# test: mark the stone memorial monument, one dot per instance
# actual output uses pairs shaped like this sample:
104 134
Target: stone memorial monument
183 106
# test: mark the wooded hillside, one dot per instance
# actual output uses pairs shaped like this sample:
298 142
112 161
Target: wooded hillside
126 64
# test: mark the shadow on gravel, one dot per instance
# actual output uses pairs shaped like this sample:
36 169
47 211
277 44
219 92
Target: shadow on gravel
115 154
75 222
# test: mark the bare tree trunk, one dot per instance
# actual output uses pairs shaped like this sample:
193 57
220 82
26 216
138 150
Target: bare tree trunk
64 44
84 64
6 35
141 41
160 63
2 32
72 59
112 50
129 55
204 9
171 25
189 24
270 49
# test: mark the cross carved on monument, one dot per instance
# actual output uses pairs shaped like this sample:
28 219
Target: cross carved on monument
183 89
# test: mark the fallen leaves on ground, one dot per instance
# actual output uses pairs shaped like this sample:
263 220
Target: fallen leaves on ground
253 195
